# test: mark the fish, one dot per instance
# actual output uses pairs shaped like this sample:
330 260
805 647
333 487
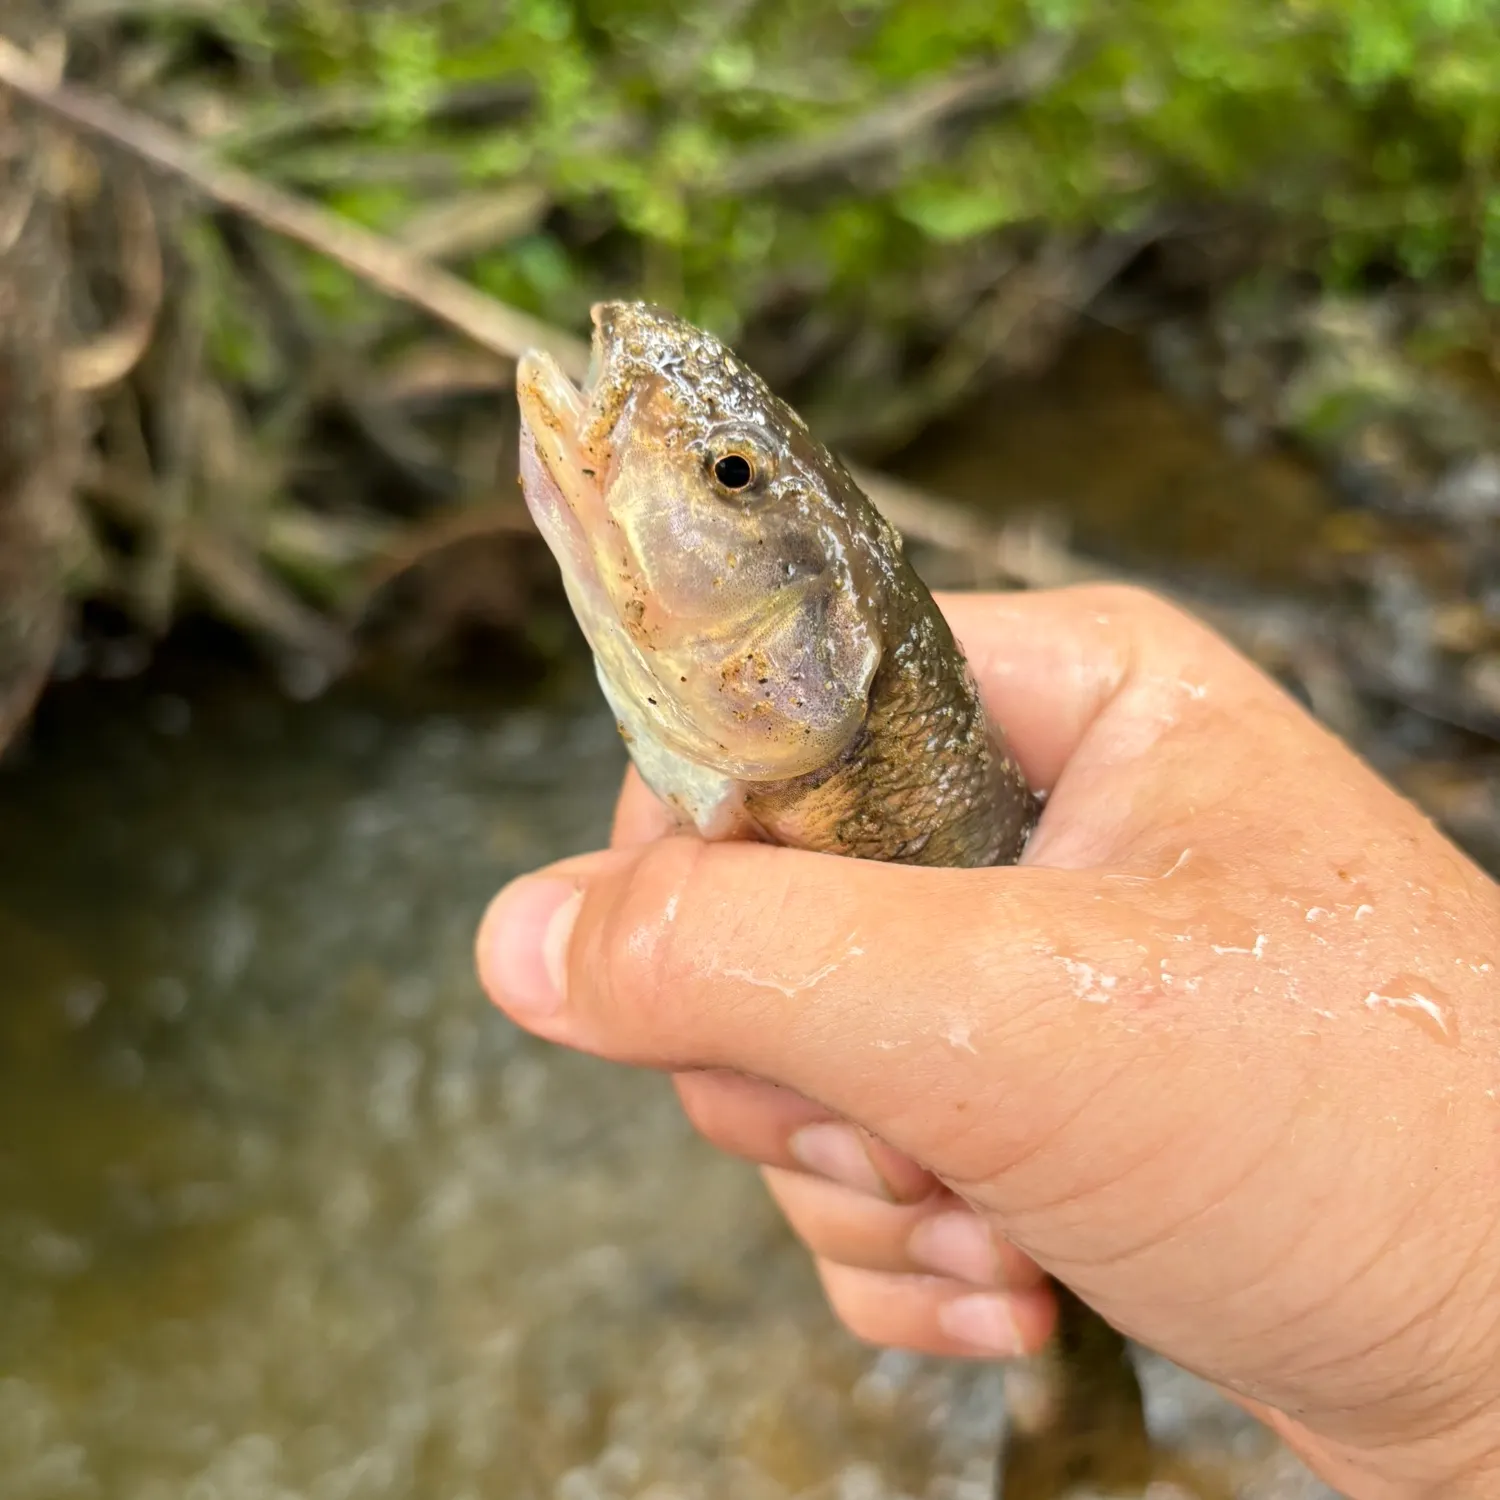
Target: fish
780 672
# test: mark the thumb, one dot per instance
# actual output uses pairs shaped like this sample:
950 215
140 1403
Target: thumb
915 1002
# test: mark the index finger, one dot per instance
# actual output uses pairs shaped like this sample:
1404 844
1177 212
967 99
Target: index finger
1048 663
641 816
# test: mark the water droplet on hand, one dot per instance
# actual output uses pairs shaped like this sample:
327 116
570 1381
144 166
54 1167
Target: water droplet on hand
1419 1001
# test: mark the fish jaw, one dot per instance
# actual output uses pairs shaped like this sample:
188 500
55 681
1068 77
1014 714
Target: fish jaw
561 485
553 413
554 485
699 796
563 481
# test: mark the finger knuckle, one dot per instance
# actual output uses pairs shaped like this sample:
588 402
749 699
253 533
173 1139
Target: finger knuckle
1135 602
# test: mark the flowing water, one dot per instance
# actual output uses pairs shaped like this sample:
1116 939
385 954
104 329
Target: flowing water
286 1210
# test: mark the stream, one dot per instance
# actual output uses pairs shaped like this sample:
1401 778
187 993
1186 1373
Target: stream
287 1210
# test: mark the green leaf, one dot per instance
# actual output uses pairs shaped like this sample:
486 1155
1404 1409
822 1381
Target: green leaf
498 156
731 66
1380 48
409 57
1489 249
943 211
1423 247
549 20
1058 15
1450 15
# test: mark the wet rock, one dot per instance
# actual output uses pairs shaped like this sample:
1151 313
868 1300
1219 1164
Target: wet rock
1470 490
1409 435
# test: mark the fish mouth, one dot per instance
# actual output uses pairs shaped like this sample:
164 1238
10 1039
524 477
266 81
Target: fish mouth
554 415
562 419
564 453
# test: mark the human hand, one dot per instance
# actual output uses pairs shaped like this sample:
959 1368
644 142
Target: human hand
1221 1054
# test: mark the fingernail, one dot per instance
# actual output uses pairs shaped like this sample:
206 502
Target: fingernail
838 1153
984 1321
527 942
957 1244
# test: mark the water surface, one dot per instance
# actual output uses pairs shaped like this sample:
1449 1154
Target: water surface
287 1210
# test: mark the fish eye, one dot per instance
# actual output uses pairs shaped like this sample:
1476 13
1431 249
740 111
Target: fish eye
734 471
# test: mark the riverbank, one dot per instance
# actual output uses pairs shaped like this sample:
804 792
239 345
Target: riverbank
276 260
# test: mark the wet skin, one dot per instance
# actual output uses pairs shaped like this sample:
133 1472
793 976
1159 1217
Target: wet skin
1220 1053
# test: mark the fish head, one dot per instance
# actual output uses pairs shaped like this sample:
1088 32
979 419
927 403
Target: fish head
718 558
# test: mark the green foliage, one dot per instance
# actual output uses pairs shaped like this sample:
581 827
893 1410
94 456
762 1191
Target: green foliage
1367 128
409 62
1489 249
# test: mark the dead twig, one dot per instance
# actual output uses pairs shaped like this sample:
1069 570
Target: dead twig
476 222
346 166
25 186
1020 75
329 369
431 374
79 11
231 577
177 435
1028 554
315 548
27 169
107 360
376 260
335 110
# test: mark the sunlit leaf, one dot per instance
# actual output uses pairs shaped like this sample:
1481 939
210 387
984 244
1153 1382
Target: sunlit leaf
1489 249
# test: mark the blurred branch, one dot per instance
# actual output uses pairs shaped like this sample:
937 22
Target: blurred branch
328 367
79 11
350 165
229 574
1027 554
348 109
505 330
111 357
476 222
1025 72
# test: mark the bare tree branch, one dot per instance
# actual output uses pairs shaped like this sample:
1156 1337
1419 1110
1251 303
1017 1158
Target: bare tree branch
1022 73
504 330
